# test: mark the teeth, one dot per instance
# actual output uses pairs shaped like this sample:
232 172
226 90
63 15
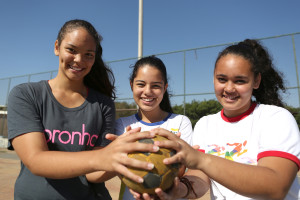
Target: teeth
230 97
75 68
148 100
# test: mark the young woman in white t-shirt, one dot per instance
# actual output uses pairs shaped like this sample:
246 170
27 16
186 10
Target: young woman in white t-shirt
250 149
149 86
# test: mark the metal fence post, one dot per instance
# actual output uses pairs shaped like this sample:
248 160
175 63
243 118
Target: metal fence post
296 67
7 93
184 91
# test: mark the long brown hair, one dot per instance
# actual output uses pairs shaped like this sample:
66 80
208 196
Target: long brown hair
261 63
100 78
153 61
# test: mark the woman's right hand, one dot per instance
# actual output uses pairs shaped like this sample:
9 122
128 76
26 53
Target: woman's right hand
185 154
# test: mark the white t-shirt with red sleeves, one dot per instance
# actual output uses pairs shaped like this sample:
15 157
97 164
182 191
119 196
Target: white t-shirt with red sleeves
262 131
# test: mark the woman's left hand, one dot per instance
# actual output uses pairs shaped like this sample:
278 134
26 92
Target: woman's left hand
175 192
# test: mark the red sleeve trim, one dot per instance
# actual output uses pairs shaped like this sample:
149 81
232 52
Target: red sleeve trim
202 150
280 154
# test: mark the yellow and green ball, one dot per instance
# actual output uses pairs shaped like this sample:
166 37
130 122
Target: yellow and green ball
161 176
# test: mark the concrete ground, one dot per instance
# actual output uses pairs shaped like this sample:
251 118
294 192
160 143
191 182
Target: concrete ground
9 170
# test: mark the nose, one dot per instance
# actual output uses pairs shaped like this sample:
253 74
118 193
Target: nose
148 90
229 87
78 58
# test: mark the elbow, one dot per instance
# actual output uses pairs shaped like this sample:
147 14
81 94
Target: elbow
281 192
278 194
32 163
33 169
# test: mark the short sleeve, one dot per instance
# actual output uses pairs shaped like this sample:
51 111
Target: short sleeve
109 115
22 112
198 137
119 128
280 136
186 130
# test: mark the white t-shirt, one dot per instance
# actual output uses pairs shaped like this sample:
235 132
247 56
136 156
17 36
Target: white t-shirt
173 122
264 130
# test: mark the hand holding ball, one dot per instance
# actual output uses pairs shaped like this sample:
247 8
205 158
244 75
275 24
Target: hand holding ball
161 176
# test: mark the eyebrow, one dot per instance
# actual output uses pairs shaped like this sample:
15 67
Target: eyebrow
157 82
89 50
223 75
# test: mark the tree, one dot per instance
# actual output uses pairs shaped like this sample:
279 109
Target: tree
196 109
124 109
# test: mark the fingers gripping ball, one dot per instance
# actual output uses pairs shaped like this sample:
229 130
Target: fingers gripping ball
161 176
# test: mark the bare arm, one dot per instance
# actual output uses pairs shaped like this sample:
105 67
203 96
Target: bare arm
33 151
101 176
270 179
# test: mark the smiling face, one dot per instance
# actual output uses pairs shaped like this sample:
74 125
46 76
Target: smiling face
76 54
148 88
234 83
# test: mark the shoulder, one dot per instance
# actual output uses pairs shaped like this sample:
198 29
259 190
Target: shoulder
127 120
278 130
270 112
103 100
30 86
28 90
275 122
123 122
178 117
97 95
209 119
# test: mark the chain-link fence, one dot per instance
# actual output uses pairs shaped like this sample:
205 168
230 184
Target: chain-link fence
190 73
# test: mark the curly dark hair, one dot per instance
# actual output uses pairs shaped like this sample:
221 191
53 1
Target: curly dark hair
261 63
153 61
100 78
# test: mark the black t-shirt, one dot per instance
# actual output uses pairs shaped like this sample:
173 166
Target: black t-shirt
33 108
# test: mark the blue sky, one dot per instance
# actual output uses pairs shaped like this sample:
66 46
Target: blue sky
29 29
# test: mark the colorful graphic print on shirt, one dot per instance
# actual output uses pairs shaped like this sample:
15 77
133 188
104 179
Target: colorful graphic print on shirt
232 151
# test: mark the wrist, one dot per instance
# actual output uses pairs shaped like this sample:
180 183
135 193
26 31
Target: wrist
203 161
94 162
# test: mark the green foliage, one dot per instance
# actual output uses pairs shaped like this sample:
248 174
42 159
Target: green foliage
196 109
124 109
2 107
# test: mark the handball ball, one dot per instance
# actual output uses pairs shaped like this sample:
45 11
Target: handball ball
161 176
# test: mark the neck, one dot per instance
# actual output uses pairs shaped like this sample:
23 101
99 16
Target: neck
152 116
67 85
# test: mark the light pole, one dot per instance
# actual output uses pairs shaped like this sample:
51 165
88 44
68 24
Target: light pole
140 39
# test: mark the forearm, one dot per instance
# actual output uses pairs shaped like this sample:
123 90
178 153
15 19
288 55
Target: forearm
260 181
100 176
33 151
61 165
